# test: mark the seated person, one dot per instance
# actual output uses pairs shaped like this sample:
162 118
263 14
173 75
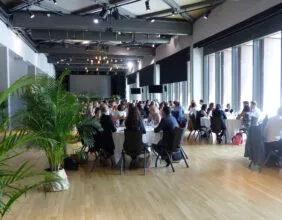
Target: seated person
120 114
108 127
256 114
201 113
229 109
210 109
193 109
272 132
154 115
178 112
220 114
245 115
141 110
167 125
134 122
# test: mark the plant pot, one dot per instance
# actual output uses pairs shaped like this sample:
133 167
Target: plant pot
61 184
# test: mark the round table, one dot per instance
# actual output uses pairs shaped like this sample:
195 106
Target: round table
232 126
149 138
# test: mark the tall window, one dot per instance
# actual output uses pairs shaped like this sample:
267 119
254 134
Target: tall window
246 70
212 78
272 73
227 76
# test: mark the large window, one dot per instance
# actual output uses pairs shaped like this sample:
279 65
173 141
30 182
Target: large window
272 74
227 76
211 78
246 70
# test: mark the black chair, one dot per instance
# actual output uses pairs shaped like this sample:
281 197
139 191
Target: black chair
275 151
216 127
133 147
177 141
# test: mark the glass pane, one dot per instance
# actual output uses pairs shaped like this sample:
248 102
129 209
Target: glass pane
212 78
227 76
246 72
272 74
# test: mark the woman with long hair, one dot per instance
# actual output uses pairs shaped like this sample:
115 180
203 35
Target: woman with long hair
154 115
134 121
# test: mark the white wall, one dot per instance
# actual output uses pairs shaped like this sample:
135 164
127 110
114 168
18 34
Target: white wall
228 14
13 42
100 85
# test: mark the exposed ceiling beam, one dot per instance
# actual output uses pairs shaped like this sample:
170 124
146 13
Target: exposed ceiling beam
56 35
184 8
96 51
75 22
90 68
25 4
175 6
99 5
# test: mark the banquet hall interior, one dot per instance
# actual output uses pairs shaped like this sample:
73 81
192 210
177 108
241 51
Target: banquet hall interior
140 109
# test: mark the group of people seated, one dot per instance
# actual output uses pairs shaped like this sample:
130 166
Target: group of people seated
134 116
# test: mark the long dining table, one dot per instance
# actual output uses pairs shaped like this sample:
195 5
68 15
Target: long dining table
149 138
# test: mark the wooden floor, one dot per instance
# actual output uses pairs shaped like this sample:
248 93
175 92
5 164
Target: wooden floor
218 185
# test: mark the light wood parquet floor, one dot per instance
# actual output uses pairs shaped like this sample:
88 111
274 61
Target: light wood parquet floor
218 185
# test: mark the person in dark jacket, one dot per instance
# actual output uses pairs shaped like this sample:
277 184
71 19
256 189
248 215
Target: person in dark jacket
168 124
141 110
210 108
178 112
108 127
134 121
218 113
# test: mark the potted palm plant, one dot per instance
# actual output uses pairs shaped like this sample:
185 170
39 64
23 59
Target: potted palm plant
16 181
51 111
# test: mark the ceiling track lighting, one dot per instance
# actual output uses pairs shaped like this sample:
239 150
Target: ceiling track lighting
31 15
147 5
104 13
207 14
116 14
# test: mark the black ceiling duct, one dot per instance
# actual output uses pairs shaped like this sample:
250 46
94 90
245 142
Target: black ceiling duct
104 13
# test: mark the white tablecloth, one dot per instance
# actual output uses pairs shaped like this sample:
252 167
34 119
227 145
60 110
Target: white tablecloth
149 138
232 126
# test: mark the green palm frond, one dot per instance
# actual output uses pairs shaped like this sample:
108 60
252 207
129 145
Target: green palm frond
16 182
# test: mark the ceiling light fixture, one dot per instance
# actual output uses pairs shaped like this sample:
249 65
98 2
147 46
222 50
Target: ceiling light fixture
96 21
104 13
153 20
153 45
115 14
55 2
86 42
31 15
147 5
207 14
129 65
48 15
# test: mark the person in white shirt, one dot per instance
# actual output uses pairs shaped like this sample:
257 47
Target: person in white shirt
255 112
273 128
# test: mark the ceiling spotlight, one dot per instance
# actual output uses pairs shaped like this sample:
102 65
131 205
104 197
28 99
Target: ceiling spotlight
207 14
86 42
119 33
147 5
96 21
97 69
153 45
128 48
31 15
55 2
129 65
48 15
115 14
58 62
174 12
115 61
111 68
104 13
99 62
96 58
107 61
153 20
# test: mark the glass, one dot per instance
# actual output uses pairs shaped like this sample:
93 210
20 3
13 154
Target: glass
212 78
272 74
246 71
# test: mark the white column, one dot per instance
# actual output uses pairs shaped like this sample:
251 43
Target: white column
197 73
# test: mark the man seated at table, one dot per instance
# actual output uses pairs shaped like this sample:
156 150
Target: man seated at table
218 113
272 132
256 113
228 109
167 125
